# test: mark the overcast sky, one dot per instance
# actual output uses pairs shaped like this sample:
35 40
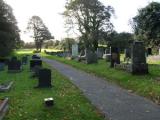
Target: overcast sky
49 11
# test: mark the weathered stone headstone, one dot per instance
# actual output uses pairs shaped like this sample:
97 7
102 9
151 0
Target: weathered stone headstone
44 78
91 57
24 60
149 51
138 59
35 62
14 65
115 56
2 66
74 50
127 53
100 52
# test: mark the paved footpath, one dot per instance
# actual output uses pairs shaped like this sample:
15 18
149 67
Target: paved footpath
115 102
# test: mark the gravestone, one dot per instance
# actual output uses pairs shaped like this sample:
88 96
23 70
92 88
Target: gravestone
74 50
4 60
14 65
100 52
35 57
149 51
138 58
90 57
127 53
35 62
44 78
115 56
24 60
2 66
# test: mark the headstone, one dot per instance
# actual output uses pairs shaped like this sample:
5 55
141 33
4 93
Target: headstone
24 60
127 53
115 56
74 50
35 62
108 50
2 66
149 51
91 57
100 52
44 78
138 59
14 65
36 70
35 57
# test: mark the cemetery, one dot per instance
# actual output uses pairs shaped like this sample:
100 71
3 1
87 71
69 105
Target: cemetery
93 66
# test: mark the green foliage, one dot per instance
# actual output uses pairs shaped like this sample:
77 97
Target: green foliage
90 17
9 32
66 44
120 40
39 30
147 24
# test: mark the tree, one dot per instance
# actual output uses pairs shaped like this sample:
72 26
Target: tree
90 17
66 44
146 24
9 32
39 30
121 40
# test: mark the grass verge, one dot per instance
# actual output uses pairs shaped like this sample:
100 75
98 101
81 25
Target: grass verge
26 103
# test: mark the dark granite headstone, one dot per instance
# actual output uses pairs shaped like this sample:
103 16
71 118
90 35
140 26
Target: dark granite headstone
14 65
35 62
44 78
149 51
138 58
115 56
35 57
24 60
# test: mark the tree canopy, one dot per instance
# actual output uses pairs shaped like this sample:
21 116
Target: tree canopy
9 31
39 30
90 17
146 24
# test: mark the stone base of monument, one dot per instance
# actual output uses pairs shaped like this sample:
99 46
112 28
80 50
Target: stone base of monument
49 102
139 69
3 107
15 71
5 87
122 66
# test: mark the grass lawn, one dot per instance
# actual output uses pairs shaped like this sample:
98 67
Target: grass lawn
26 102
144 85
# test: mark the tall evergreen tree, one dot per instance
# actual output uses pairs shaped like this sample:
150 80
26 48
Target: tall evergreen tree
9 32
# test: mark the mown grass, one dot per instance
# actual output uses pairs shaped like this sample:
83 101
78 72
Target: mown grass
26 102
144 85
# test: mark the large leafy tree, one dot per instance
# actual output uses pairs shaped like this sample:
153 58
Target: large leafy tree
147 24
9 32
39 30
90 17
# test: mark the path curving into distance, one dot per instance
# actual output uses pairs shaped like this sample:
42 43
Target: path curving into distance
115 102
